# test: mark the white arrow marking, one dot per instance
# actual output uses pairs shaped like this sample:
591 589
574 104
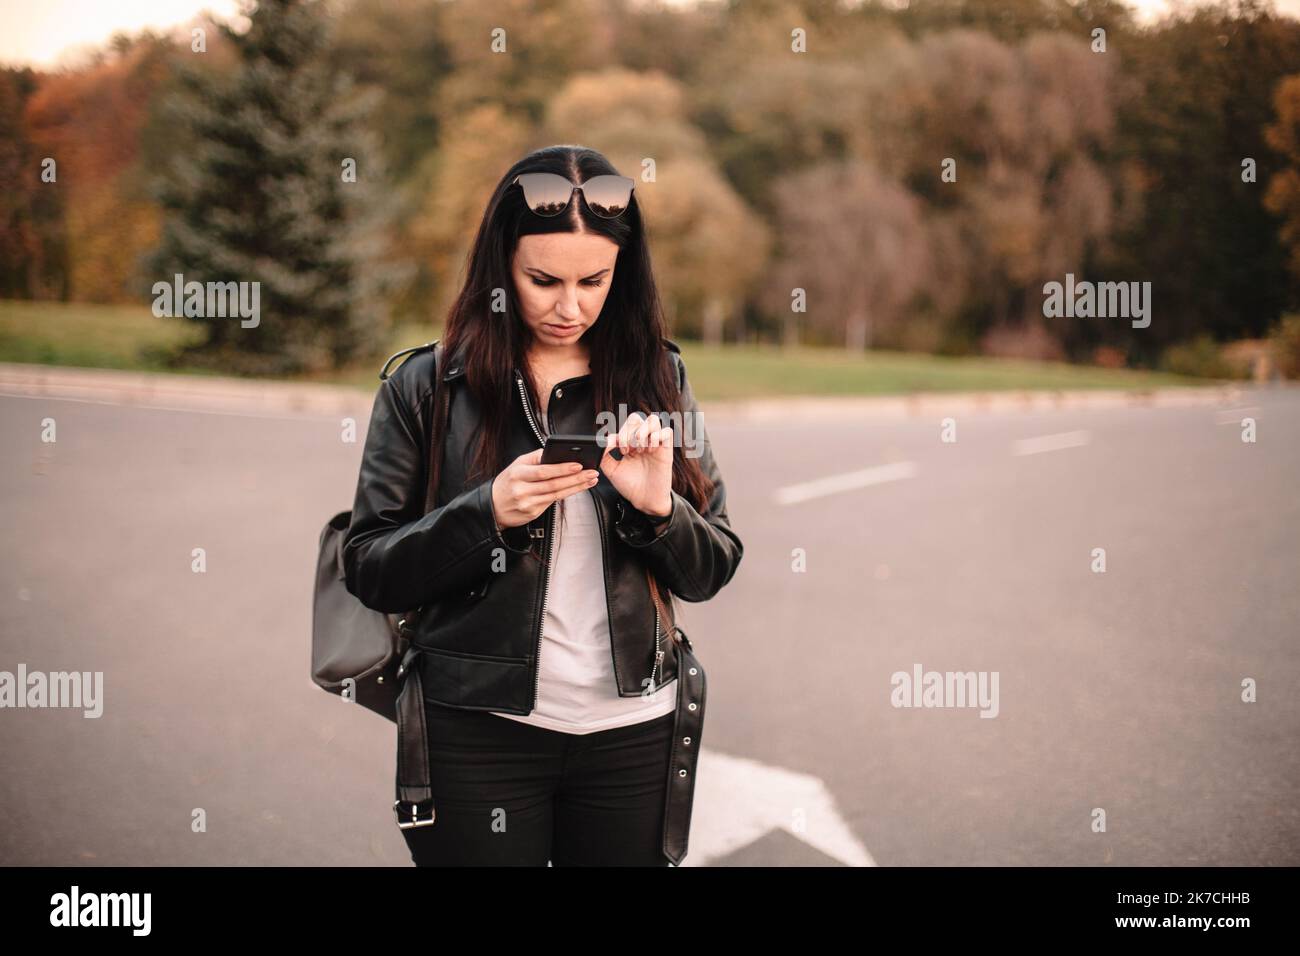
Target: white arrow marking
738 800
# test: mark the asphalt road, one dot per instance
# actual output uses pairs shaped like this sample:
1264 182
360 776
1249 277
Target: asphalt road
1118 692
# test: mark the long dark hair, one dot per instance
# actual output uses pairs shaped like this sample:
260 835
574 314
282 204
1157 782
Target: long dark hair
625 343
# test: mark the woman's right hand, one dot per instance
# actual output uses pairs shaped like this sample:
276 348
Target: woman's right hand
526 487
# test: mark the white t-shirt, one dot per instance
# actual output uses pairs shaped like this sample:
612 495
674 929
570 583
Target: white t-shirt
577 693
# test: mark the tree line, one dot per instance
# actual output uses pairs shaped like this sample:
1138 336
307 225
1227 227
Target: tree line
874 176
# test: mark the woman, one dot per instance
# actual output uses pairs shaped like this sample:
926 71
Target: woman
544 652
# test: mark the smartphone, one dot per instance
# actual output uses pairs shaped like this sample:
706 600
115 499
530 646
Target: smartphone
587 450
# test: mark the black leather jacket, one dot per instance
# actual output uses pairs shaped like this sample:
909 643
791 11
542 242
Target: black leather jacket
479 629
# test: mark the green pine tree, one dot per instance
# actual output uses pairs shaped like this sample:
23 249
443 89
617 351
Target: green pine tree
258 190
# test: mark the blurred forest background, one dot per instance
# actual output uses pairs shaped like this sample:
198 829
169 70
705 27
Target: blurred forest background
1173 157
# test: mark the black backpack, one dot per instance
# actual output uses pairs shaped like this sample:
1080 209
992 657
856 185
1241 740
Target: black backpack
365 656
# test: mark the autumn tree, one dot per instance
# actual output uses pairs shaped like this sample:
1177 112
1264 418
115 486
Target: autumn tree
283 187
709 246
32 250
1283 197
855 243
1197 95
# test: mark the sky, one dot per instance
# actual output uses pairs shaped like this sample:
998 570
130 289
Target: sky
48 33
40 32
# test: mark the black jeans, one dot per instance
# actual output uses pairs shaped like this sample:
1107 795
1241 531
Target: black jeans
506 793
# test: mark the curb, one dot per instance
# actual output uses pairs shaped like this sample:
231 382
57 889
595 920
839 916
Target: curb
213 393
945 404
187 392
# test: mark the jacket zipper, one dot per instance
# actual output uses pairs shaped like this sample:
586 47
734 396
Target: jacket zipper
546 561
546 580
609 617
659 654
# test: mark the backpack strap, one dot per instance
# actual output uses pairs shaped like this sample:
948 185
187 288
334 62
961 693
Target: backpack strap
430 492
383 372
413 779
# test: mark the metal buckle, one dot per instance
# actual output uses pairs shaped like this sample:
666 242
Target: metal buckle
414 820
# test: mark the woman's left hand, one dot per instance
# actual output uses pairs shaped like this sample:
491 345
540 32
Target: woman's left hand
644 475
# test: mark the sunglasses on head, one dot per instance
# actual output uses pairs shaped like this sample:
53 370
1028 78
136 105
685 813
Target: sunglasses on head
548 194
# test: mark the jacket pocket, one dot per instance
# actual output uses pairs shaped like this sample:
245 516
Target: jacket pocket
486 682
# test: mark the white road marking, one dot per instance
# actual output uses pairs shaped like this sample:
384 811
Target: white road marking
1233 416
1055 442
877 475
738 801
